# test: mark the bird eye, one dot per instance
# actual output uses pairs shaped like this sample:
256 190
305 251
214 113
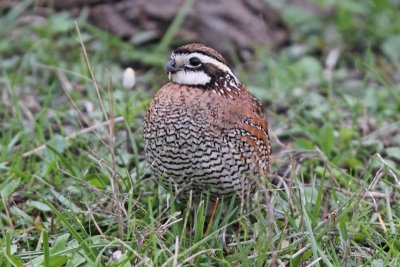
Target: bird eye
194 61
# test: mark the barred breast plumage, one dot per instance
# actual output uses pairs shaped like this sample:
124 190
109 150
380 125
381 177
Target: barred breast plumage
204 132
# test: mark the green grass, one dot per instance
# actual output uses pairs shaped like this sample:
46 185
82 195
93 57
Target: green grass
336 149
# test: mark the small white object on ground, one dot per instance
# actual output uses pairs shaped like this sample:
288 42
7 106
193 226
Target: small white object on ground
117 255
129 79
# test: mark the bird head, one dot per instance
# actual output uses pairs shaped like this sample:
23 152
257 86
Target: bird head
197 64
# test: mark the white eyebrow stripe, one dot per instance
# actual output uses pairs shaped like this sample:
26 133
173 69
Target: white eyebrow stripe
183 59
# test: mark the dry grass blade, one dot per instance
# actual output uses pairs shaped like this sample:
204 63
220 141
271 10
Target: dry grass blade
114 175
214 211
175 262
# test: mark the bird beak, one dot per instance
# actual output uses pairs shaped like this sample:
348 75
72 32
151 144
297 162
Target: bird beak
170 67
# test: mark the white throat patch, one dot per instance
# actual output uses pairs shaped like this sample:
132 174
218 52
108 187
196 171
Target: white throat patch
191 77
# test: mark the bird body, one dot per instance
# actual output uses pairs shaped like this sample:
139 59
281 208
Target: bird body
204 132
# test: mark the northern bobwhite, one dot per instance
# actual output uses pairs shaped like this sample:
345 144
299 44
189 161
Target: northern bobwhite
204 132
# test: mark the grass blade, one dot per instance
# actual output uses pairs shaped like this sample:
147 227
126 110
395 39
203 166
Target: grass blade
81 240
175 25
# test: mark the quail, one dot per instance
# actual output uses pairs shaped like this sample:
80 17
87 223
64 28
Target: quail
204 133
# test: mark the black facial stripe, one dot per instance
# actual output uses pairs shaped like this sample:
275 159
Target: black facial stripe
214 72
